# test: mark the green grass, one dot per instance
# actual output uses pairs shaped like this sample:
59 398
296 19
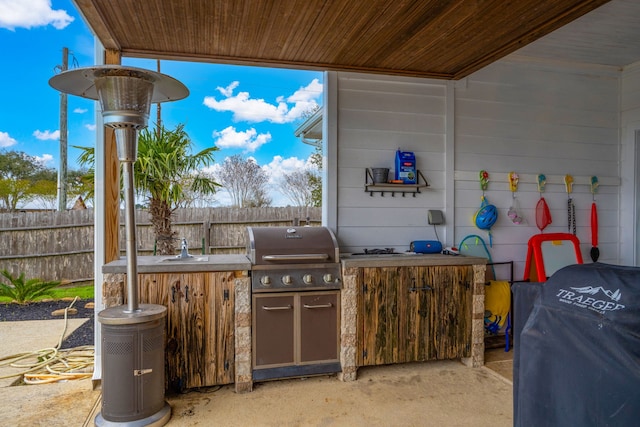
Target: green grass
82 292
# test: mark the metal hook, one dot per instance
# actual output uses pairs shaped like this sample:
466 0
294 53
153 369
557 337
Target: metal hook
542 181
484 180
513 181
594 186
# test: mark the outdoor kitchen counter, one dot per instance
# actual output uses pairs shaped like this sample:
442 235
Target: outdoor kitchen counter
373 282
171 264
401 260
230 306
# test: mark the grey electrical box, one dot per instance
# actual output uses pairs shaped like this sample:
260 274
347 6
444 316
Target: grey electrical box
435 217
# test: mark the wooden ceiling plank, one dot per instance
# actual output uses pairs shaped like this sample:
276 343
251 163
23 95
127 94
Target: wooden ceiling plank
98 25
465 38
441 30
570 13
442 38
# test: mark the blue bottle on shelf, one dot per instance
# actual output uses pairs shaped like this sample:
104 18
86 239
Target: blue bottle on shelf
406 167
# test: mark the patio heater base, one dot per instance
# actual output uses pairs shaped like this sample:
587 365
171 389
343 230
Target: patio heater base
156 420
133 377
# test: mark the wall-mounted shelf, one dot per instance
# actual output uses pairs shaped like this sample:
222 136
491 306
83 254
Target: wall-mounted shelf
413 189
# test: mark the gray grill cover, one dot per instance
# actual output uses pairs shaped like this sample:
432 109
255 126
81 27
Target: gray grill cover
577 358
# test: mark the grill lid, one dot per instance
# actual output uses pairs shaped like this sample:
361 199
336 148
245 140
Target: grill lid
291 245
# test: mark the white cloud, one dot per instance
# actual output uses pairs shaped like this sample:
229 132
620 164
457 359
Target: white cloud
47 135
249 140
284 110
280 165
45 159
213 169
312 91
276 170
80 110
6 140
304 99
33 13
228 91
90 127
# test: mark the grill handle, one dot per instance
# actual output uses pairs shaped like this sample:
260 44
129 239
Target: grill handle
329 305
286 307
296 257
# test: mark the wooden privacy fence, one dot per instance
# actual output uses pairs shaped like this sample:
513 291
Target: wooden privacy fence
60 245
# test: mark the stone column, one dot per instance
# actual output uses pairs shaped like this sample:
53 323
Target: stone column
348 324
477 323
243 371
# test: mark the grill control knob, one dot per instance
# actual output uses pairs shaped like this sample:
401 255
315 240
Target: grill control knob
265 281
328 278
307 279
287 280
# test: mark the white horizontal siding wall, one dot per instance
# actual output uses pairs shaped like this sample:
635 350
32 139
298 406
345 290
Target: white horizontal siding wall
510 116
376 116
514 116
630 155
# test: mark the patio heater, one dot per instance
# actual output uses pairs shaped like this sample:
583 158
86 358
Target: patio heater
133 335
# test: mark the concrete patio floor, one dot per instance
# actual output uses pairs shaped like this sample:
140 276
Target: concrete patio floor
442 393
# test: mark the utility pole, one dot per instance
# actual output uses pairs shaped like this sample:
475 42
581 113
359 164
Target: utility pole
62 171
158 107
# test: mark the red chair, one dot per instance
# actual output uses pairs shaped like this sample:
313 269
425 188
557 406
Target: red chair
547 253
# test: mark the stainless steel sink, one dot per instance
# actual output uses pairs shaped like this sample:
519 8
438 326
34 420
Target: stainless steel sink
189 259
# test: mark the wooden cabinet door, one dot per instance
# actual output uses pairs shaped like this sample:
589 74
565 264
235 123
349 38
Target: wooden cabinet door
184 325
165 289
206 327
416 307
194 330
380 337
412 314
200 346
221 347
450 310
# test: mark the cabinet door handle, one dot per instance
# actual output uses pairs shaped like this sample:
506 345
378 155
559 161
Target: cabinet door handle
329 305
186 293
173 294
286 307
423 288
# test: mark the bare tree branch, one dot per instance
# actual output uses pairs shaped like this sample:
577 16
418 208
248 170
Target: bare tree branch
296 186
245 181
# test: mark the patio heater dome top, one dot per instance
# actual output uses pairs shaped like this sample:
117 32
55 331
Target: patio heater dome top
81 82
125 93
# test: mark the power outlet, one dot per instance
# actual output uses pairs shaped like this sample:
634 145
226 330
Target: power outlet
435 217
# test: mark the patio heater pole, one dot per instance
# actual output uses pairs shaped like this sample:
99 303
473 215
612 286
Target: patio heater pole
129 219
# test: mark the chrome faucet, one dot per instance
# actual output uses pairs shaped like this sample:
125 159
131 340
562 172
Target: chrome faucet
184 249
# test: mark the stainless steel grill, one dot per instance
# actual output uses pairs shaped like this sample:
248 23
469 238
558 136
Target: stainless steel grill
295 281
293 259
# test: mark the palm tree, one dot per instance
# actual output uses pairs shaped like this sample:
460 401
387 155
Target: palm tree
164 165
163 168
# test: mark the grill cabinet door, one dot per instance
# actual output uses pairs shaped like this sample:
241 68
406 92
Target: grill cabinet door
273 330
319 327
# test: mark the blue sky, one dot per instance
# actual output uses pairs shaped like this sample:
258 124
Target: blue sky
250 111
